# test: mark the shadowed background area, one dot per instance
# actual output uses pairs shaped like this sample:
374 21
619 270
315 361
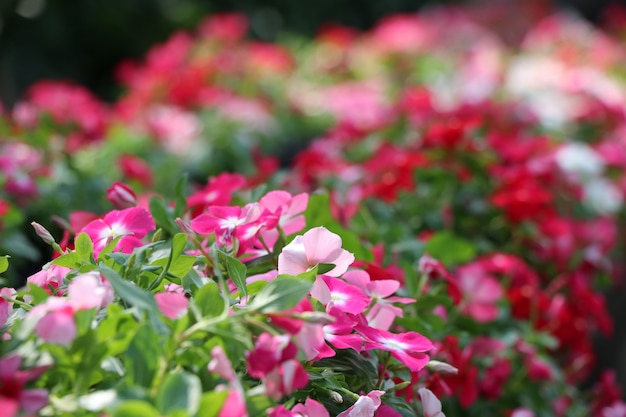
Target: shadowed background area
83 40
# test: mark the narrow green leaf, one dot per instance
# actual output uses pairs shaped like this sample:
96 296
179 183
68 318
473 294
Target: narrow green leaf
180 392
180 191
179 241
236 271
142 357
162 215
128 291
280 295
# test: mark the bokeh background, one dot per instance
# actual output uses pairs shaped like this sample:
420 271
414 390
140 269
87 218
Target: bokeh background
84 40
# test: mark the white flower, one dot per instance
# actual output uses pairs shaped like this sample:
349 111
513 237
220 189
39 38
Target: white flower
602 196
580 160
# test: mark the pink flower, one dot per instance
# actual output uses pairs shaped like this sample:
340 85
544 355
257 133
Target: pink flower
233 222
430 403
311 408
13 396
383 312
317 246
340 335
235 404
56 321
481 292
365 406
131 224
6 307
288 207
269 351
336 293
121 195
407 347
523 412
289 376
173 305
51 277
89 291
217 192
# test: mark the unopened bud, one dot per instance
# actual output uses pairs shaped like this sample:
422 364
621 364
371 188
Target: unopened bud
121 195
185 227
43 233
442 367
316 317
336 397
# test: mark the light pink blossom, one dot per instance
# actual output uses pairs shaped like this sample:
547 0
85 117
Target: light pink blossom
317 246
481 292
173 305
430 403
365 406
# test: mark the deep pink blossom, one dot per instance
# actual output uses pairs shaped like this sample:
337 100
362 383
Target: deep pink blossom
13 396
481 292
130 224
269 352
383 312
336 293
317 246
121 195
340 334
408 348
218 192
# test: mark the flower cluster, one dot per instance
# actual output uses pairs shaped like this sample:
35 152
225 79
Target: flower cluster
394 222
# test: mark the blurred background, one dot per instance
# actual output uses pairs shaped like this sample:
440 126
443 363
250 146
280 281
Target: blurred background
84 40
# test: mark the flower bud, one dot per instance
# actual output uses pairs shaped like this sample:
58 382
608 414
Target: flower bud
185 227
336 397
122 196
43 233
442 367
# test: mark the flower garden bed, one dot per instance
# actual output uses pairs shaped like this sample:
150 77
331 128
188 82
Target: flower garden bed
407 221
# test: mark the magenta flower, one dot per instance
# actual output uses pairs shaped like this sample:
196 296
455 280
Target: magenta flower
131 224
383 312
336 293
340 335
13 396
317 246
365 406
311 408
408 347
121 196
269 351
289 376
6 307
288 207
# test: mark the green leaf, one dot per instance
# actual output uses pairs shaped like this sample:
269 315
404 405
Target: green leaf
450 249
180 191
162 215
129 292
211 403
280 295
180 391
4 263
69 260
208 299
318 214
236 271
84 246
142 357
135 408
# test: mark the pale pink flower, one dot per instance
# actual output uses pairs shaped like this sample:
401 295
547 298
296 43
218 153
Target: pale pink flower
481 293
336 293
408 347
56 321
6 306
617 409
430 403
131 224
89 290
173 305
317 246
176 128
524 412
310 408
50 277
365 406
235 404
